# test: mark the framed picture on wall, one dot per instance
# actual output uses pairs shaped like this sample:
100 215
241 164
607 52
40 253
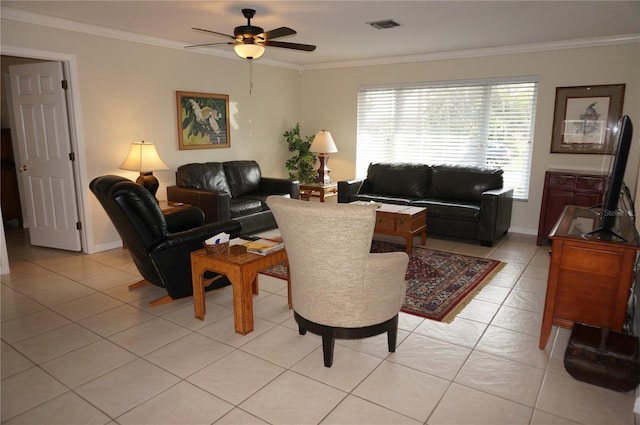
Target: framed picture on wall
203 120
585 117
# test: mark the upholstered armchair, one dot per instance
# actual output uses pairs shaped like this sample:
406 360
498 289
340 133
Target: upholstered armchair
339 289
159 244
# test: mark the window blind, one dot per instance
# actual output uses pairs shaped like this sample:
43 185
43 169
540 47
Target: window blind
488 124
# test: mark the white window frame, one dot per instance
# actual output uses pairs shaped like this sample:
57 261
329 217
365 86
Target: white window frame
400 127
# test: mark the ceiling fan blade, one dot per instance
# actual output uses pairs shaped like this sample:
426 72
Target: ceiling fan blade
206 45
214 33
296 46
278 32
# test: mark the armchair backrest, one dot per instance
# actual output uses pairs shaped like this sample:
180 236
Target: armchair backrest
136 216
327 245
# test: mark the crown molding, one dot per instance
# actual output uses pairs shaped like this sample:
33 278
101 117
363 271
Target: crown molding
64 24
475 53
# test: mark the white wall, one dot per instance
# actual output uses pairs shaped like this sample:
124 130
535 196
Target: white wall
334 105
128 93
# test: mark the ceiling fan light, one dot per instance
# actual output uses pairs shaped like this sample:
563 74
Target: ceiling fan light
249 51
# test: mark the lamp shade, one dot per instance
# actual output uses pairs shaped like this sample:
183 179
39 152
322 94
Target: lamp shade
143 157
249 51
323 143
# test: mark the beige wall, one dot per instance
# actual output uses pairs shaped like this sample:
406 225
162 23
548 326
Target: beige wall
127 93
330 102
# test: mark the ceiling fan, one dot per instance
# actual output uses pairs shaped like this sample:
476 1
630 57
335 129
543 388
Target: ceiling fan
249 41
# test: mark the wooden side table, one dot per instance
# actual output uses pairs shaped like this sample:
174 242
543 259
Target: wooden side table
168 206
318 190
242 272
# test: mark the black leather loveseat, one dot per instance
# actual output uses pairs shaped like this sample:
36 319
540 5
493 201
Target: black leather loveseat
231 190
462 202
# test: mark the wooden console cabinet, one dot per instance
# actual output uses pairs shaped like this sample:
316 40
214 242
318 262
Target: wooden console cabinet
562 188
589 278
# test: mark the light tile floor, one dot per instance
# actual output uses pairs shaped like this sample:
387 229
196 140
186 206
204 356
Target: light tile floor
79 348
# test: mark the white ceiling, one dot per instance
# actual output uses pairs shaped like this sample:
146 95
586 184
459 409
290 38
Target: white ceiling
340 31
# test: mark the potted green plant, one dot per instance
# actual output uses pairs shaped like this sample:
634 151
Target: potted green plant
301 164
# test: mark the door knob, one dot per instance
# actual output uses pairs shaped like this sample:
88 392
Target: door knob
23 167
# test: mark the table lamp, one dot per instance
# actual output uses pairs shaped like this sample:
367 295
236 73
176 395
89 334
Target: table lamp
144 158
323 145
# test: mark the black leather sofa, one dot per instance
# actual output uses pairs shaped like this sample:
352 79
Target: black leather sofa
231 190
461 201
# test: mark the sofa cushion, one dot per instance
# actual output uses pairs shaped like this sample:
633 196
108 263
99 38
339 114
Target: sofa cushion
399 179
243 177
463 183
239 207
206 176
451 210
383 199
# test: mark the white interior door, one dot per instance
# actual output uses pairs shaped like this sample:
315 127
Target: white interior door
44 154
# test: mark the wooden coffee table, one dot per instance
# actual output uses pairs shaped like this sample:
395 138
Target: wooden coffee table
242 271
402 220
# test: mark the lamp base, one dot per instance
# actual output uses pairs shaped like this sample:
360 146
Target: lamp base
324 173
149 181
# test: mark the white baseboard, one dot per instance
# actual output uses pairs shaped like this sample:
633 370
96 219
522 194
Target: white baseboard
104 247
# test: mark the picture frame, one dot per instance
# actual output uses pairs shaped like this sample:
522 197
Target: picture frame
585 117
203 120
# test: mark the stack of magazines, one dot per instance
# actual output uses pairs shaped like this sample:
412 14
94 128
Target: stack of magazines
264 246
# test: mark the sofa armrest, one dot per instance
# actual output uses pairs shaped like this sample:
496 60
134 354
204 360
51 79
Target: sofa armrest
495 214
278 186
214 204
348 190
193 238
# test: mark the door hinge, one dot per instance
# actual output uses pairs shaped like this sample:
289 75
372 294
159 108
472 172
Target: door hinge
79 225
72 156
65 85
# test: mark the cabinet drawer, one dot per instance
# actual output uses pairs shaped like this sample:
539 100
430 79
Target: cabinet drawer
386 221
590 183
562 181
404 223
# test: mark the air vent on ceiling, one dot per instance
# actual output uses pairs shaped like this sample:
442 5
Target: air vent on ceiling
384 24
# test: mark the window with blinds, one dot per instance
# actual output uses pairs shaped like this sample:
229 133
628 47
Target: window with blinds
479 123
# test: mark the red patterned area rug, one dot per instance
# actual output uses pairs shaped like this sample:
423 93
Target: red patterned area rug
439 284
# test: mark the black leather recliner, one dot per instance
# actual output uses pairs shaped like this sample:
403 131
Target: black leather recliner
160 244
